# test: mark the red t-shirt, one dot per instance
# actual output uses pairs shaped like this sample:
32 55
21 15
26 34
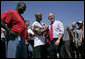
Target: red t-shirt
15 22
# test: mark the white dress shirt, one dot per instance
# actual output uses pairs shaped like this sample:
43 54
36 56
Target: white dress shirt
58 28
38 39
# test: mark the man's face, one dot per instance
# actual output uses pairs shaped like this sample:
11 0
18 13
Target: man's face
27 23
74 24
21 8
39 17
51 17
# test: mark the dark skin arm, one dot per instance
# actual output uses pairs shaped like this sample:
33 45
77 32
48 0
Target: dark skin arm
39 31
4 25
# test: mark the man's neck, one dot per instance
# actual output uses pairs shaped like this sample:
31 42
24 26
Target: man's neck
52 21
17 11
38 21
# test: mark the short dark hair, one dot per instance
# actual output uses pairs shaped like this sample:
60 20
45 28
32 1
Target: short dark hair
37 13
27 20
20 3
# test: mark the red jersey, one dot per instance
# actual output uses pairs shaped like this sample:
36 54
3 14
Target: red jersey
15 22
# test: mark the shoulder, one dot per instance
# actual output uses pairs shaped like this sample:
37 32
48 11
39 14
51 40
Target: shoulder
7 13
57 21
36 23
33 23
10 12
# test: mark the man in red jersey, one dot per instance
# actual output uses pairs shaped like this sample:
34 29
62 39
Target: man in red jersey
14 24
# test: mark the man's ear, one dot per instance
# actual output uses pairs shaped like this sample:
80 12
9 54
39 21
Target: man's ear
54 16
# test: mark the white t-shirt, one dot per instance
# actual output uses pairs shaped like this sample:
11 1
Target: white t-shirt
30 32
38 39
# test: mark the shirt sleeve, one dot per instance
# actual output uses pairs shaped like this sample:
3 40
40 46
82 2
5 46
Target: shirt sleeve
6 16
30 31
35 24
32 26
61 28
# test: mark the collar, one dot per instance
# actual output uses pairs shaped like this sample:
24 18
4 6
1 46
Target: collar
53 21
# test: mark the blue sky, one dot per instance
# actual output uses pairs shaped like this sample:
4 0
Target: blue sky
67 11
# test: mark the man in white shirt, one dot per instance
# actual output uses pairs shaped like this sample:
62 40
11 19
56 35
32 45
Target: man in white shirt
39 40
56 33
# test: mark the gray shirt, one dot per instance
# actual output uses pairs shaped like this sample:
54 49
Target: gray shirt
66 36
78 33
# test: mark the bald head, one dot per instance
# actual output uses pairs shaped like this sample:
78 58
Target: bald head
51 17
38 14
73 24
50 14
38 17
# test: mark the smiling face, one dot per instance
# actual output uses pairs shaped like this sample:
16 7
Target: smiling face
51 17
38 16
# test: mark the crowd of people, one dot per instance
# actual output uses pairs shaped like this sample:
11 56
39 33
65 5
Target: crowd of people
20 39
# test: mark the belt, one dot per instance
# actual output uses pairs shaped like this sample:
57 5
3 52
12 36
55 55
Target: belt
13 33
53 41
55 38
